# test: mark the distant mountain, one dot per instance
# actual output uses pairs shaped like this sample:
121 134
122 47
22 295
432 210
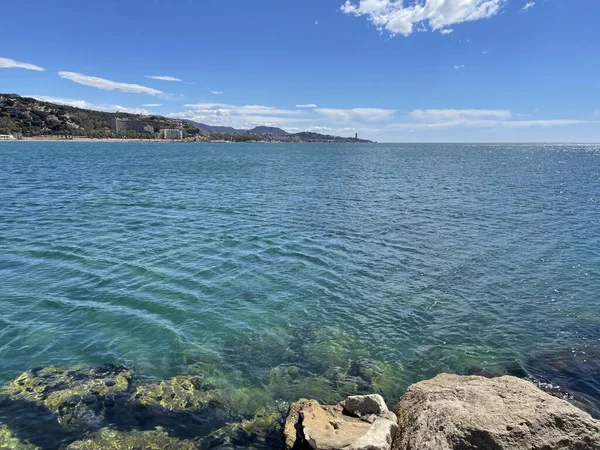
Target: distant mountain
256 130
213 129
268 130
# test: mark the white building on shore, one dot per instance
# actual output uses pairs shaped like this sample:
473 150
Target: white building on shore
171 133
7 137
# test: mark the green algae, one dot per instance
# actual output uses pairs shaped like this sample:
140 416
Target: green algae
107 439
262 432
8 441
56 387
180 393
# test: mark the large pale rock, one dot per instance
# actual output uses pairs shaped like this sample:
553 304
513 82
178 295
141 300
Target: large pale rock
311 425
505 413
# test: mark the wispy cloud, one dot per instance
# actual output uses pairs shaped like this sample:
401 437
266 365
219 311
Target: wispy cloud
446 30
6 63
225 109
488 123
528 6
164 78
458 114
216 92
152 105
108 85
458 67
322 130
396 17
434 119
356 114
87 105
308 105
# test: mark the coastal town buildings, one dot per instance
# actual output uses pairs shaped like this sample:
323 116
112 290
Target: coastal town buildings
127 125
149 129
171 133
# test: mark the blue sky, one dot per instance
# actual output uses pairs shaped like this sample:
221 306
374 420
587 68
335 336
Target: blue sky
393 71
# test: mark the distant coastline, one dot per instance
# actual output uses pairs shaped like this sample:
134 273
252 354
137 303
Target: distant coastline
23 118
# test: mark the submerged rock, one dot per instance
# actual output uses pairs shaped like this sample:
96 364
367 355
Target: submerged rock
8 441
78 398
263 432
181 393
54 406
310 425
107 439
505 413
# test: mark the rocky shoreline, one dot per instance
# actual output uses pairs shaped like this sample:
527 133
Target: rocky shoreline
113 407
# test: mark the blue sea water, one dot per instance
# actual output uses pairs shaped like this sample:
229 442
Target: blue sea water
240 260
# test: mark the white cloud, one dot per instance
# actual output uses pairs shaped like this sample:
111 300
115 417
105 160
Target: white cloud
153 105
224 118
398 17
6 63
216 92
108 85
456 67
528 6
226 109
163 78
316 22
489 123
322 130
356 114
309 105
446 30
434 115
87 105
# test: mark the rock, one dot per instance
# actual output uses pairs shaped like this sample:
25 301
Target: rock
79 398
263 432
365 406
180 393
327 427
8 441
67 404
505 413
107 439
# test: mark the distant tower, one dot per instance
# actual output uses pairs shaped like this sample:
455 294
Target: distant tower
355 135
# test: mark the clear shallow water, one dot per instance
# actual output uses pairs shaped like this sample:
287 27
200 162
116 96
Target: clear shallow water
240 261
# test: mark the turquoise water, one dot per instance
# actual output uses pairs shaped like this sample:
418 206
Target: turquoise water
241 261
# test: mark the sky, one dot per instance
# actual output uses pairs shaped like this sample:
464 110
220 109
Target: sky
389 70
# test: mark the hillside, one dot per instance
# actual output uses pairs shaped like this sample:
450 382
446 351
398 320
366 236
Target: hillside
33 117
28 117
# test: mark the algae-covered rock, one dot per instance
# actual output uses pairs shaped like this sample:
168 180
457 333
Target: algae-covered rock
107 439
181 393
8 441
263 432
53 387
79 398
186 406
73 403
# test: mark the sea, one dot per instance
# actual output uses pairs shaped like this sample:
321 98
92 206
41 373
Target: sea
286 268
